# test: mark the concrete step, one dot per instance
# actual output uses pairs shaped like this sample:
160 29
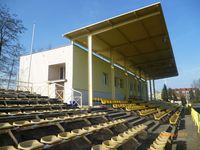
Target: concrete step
113 111
149 123
116 114
122 117
132 118
153 127
137 122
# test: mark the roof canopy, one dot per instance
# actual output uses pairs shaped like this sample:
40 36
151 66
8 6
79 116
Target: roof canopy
138 39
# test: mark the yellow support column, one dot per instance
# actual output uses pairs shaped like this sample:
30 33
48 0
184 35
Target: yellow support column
112 74
126 80
90 89
150 90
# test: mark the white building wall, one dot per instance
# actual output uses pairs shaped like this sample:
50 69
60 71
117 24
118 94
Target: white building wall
40 64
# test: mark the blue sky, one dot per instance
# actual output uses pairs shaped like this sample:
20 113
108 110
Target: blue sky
55 17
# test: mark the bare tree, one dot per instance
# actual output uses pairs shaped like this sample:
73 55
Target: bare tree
196 83
10 30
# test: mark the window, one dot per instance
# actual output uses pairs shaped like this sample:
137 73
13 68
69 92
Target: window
105 78
116 82
121 83
139 87
62 72
131 89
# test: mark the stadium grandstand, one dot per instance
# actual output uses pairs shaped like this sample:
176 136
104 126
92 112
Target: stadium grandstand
93 93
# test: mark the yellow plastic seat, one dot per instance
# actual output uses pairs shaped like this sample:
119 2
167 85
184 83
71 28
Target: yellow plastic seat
3 113
83 115
30 145
158 146
66 135
39 121
66 117
118 139
52 119
29 112
76 116
132 130
161 142
110 123
78 132
105 124
152 147
84 108
55 110
87 129
5 125
15 113
50 139
95 127
99 147
12 105
35 105
22 123
122 120
162 139
40 111
174 118
8 148
164 135
24 105
124 136
110 144
94 114
100 126
89 114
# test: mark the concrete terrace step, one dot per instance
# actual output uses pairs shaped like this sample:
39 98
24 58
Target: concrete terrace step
112 111
132 118
149 123
122 116
154 126
116 114
136 122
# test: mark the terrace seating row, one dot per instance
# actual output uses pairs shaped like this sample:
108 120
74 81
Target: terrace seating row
158 116
174 118
30 105
121 138
35 112
23 123
8 94
146 112
51 140
161 141
135 108
109 101
122 105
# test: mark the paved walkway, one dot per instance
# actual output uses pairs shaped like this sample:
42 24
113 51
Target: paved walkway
188 138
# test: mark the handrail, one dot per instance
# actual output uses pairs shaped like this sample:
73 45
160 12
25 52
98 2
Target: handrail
45 88
75 99
196 118
14 84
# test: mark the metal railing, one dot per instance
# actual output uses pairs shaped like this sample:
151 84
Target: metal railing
47 89
16 85
75 97
196 118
